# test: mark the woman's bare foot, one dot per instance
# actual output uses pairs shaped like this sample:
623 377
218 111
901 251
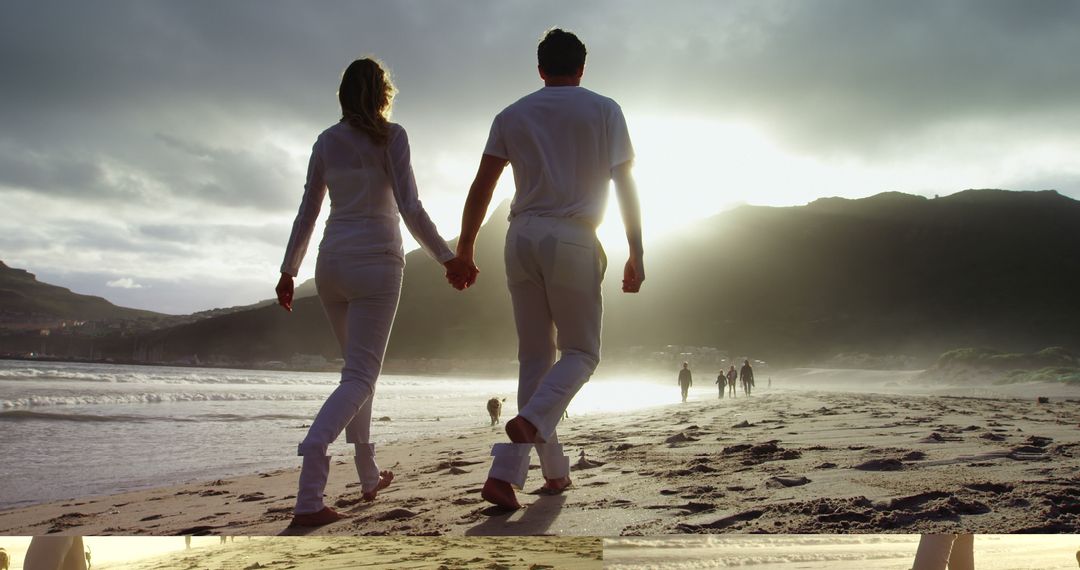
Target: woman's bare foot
521 431
320 518
385 478
500 493
555 486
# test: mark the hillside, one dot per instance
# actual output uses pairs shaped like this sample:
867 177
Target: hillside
24 299
889 274
892 273
974 365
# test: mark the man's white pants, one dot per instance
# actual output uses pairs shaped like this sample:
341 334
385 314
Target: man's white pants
554 267
360 297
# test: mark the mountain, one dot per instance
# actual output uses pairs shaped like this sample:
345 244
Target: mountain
25 300
892 274
889 274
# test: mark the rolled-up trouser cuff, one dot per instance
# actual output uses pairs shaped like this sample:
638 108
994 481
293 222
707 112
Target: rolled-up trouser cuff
510 462
366 468
313 475
553 463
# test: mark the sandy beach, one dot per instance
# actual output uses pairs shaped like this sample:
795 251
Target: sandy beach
326 553
787 460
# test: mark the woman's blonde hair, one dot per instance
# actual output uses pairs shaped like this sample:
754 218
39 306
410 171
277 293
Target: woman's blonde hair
366 94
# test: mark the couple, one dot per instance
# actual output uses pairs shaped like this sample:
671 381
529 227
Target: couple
565 145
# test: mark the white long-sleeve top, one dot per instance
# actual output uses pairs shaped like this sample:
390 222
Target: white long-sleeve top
364 205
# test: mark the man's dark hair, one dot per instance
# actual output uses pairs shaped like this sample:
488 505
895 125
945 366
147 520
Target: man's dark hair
560 53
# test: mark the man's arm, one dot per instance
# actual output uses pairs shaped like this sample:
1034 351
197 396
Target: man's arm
626 193
476 205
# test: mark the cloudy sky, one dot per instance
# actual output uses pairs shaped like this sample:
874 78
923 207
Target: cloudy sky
154 152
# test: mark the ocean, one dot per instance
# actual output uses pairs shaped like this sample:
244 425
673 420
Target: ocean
70 430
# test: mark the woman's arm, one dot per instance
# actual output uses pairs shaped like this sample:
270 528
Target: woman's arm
303 226
408 200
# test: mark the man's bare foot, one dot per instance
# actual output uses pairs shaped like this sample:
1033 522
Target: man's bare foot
555 486
320 518
385 478
521 431
500 493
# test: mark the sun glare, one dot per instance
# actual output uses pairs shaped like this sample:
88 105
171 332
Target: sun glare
689 168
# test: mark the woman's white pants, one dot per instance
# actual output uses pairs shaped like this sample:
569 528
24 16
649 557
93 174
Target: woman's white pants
360 297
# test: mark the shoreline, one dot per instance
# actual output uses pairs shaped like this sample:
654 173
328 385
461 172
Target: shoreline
781 461
387 369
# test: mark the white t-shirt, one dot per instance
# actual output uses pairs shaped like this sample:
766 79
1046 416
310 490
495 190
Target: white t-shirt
364 205
562 143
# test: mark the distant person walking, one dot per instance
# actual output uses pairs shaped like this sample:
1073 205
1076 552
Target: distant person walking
364 162
945 551
732 376
721 383
686 380
566 145
746 374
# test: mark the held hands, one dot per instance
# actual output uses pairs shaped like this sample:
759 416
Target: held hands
284 291
633 274
461 272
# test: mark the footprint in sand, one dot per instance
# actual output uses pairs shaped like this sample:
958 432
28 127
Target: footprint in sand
880 465
782 482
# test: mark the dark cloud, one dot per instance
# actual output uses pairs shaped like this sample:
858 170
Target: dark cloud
65 175
257 178
854 75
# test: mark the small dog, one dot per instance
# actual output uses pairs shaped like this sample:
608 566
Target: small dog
494 408
4 561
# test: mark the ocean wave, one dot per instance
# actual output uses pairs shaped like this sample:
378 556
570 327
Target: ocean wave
164 376
31 415
151 398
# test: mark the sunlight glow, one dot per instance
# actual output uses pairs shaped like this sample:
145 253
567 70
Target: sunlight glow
688 168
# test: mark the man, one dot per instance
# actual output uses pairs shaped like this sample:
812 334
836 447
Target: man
685 380
721 382
746 374
732 376
565 144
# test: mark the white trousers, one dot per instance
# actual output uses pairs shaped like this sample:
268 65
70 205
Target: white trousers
554 267
941 551
360 297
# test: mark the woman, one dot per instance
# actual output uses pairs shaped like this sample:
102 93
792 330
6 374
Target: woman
363 161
